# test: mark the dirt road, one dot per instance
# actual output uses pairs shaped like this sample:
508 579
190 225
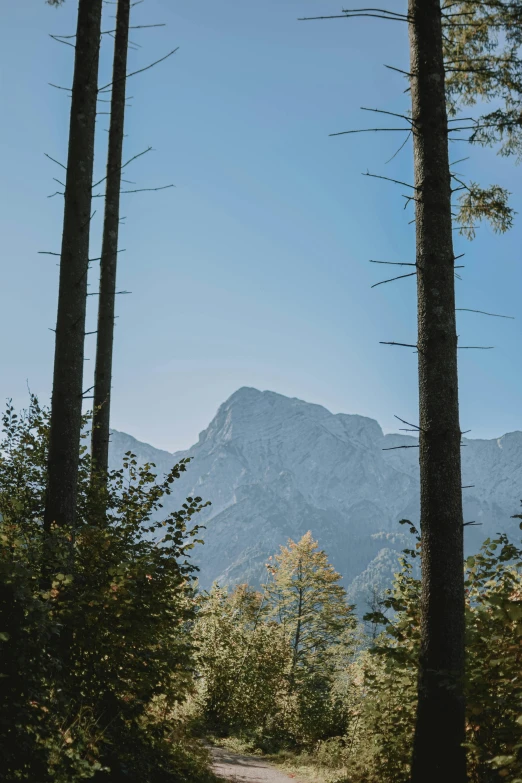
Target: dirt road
246 769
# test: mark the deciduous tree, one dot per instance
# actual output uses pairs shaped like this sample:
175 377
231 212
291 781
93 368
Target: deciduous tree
306 598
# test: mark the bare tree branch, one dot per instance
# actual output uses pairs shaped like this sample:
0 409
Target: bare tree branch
141 190
482 312
390 113
59 40
134 27
396 181
407 422
403 345
400 148
55 161
354 16
373 10
99 257
391 279
392 263
57 86
134 157
370 130
136 190
141 70
392 448
399 70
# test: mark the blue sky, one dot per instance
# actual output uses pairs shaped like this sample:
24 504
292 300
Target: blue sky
254 269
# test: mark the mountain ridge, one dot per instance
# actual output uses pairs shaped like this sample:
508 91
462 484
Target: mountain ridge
274 467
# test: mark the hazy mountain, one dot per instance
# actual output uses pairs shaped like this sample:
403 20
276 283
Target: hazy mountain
274 467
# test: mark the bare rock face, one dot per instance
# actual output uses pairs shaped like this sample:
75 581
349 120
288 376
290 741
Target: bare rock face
275 467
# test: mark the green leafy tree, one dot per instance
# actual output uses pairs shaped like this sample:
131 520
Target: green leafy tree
273 665
319 625
494 628
493 580
306 598
243 660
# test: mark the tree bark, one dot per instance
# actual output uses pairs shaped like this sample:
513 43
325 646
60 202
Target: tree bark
438 754
66 405
109 254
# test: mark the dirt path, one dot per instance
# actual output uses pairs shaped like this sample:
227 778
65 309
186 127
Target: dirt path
245 769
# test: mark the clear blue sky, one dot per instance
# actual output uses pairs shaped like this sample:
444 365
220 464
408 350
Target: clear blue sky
254 269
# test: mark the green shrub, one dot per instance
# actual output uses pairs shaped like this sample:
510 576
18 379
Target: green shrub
94 622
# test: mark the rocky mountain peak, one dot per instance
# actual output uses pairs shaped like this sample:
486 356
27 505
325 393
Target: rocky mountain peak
249 414
275 467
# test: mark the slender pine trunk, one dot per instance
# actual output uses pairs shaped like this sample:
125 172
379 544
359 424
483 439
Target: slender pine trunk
66 406
297 637
109 254
438 754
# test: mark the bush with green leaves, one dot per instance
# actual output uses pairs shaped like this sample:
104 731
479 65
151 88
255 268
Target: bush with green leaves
494 666
494 644
243 661
94 622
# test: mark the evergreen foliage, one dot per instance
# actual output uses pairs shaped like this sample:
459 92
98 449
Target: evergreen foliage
482 43
482 53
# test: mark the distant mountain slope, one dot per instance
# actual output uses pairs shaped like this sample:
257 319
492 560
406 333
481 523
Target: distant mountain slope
274 467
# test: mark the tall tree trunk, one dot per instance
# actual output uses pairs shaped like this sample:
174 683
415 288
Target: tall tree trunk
109 254
438 754
66 406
